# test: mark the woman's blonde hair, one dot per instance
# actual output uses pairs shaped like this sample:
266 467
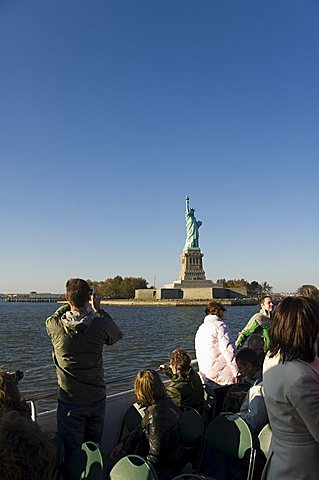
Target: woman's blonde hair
149 388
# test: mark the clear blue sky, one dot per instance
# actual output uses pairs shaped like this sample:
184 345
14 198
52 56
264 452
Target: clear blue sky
112 111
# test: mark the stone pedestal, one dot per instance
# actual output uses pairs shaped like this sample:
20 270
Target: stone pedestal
192 266
192 275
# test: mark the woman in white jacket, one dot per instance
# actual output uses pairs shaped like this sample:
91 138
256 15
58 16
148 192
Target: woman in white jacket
291 386
215 351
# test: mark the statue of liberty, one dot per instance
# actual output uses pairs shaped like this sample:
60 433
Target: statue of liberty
192 227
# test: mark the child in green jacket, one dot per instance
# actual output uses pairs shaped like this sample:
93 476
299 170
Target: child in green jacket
185 388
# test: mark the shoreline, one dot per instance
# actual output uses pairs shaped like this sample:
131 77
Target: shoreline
176 303
151 303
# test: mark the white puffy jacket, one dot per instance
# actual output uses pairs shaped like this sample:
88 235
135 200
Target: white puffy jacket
215 352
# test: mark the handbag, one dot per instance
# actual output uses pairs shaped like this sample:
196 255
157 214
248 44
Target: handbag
135 442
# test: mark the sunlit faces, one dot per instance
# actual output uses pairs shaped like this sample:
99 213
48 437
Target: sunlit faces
268 305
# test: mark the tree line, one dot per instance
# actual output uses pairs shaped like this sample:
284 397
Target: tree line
117 287
124 288
254 288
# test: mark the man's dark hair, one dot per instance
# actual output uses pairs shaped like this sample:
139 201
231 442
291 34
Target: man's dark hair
246 355
294 329
25 452
77 292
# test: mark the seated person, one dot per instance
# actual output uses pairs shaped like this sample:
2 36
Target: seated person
161 424
248 366
256 343
253 409
25 452
185 388
10 398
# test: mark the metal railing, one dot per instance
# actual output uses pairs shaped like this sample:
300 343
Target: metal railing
34 399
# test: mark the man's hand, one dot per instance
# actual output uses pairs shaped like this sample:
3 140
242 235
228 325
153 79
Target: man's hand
95 302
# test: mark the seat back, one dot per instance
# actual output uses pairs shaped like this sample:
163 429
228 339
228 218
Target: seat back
87 462
133 467
190 476
264 438
235 396
131 420
59 456
210 404
230 435
192 426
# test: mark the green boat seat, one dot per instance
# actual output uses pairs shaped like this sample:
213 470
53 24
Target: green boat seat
264 438
87 463
230 435
133 467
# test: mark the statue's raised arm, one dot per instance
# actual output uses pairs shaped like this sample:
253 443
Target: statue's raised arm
192 227
187 204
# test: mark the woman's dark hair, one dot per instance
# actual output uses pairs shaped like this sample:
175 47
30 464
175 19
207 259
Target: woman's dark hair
294 329
309 291
149 388
215 308
25 452
180 360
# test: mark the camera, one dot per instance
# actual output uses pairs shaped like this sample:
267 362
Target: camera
17 376
91 292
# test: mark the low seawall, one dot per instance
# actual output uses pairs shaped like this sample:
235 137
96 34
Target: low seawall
176 303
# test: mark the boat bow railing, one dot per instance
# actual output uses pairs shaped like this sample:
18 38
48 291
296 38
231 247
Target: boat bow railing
34 399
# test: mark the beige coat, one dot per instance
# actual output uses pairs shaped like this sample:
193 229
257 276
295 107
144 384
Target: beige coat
292 400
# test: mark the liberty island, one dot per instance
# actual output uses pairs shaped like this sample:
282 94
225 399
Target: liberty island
192 283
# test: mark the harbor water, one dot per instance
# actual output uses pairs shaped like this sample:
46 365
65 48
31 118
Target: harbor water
149 336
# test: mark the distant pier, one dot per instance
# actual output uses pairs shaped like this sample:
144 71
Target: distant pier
34 297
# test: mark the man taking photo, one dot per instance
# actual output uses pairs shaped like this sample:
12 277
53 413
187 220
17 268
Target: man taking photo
78 334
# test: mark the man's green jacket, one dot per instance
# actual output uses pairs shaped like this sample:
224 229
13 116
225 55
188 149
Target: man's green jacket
259 323
78 341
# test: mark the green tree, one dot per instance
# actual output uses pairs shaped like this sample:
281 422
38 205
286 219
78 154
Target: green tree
118 287
266 288
254 289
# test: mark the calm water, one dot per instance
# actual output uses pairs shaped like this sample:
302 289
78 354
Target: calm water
149 335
